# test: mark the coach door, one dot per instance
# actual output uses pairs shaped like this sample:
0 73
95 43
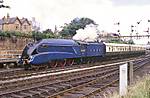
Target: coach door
83 50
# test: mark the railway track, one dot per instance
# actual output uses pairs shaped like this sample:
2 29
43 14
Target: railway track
20 73
57 84
93 89
57 79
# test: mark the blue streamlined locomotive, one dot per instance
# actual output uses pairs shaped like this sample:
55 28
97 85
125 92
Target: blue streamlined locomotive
54 52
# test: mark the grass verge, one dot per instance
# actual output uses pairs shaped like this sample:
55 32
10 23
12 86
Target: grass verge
141 89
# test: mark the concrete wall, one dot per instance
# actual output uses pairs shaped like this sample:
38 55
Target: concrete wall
13 43
11 47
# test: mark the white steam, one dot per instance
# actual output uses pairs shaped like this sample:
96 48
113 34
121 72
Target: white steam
88 34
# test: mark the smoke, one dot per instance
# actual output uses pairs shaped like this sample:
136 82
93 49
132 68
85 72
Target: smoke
88 34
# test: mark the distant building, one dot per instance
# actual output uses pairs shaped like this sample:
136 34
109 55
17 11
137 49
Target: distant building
35 25
15 24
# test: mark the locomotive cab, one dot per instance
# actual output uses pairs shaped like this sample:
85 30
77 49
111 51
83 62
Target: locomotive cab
25 55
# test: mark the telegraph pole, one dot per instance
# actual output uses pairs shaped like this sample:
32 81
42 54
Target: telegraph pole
148 30
137 33
132 30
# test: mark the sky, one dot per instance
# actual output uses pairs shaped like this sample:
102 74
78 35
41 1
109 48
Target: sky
104 12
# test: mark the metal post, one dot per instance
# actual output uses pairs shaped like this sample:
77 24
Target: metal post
138 28
132 30
130 71
123 80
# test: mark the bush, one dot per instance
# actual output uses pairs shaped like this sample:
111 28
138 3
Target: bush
34 35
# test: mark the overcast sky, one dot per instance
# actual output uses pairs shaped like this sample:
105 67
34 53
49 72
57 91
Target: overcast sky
130 2
104 12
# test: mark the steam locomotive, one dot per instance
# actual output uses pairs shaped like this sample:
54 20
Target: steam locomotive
62 52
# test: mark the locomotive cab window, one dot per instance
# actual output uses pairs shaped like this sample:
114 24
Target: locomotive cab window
44 46
34 52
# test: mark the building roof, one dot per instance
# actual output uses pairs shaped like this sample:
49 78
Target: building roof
9 20
24 20
12 20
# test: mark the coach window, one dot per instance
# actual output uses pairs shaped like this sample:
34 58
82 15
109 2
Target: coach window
112 49
109 49
116 48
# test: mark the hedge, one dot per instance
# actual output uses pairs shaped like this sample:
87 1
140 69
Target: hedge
34 35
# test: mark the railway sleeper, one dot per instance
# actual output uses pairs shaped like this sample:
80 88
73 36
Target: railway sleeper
44 90
86 90
32 95
17 96
51 89
26 94
66 85
78 83
34 92
59 87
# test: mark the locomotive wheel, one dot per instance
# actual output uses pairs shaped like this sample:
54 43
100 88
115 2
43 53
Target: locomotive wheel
53 64
70 62
89 60
61 63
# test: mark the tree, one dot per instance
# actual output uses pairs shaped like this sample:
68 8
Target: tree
70 29
2 5
48 31
130 41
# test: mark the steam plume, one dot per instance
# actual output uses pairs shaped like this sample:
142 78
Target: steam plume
88 34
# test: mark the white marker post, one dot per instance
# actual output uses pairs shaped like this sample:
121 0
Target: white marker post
130 74
123 82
